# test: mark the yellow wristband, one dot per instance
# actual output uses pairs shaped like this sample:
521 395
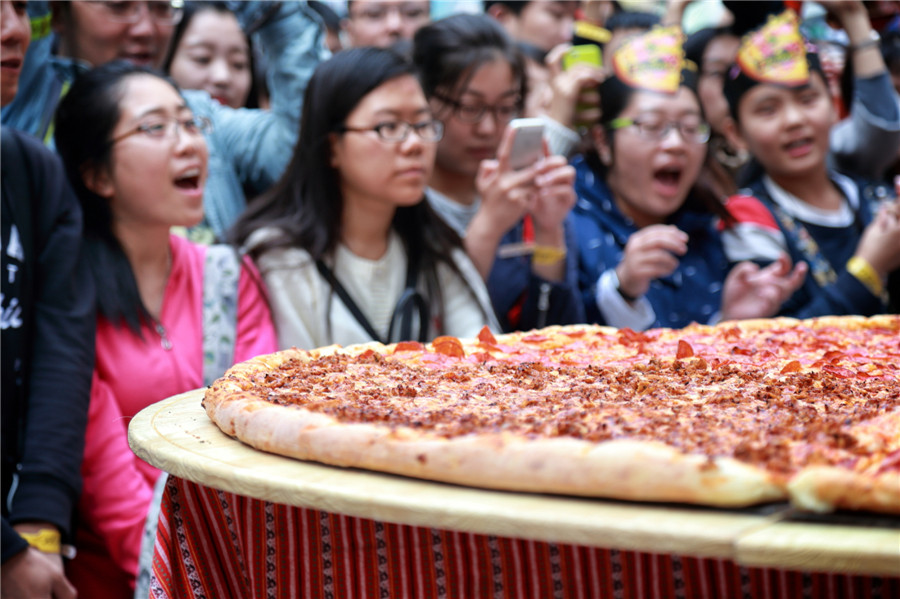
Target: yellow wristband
46 540
545 255
862 270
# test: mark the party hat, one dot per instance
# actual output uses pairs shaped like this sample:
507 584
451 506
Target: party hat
775 53
652 61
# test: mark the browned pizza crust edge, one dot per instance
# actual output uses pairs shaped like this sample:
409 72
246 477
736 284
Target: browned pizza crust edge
623 469
827 488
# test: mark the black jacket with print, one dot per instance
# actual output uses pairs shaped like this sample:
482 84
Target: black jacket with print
47 323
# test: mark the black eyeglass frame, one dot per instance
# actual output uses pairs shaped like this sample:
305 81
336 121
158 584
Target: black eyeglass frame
483 109
406 129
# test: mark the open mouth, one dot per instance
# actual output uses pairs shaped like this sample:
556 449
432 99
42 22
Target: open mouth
798 147
668 178
11 63
189 180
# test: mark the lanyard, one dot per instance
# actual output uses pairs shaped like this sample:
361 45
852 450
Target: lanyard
410 302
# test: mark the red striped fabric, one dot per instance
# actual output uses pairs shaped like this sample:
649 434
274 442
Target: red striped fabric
212 544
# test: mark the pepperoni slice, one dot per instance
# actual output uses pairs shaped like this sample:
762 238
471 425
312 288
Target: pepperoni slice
449 346
486 336
792 366
409 346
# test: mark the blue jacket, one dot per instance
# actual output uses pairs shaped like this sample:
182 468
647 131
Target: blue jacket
524 301
692 293
249 147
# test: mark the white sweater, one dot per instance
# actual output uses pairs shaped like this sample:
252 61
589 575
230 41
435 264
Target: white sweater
308 314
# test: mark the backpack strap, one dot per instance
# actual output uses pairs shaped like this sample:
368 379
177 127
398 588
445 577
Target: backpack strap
221 275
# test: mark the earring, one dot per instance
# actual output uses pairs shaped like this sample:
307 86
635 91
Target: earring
729 157
605 157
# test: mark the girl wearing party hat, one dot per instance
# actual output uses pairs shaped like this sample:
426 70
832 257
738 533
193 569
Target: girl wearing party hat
650 250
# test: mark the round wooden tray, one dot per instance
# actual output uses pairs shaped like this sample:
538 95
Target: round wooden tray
176 436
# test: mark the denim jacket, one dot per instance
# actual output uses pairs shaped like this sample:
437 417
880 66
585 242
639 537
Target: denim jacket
246 147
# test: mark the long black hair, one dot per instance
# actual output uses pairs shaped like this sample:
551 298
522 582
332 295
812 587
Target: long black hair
449 51
85 120
306 206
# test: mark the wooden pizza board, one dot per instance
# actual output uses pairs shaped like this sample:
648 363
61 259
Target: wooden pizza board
176 436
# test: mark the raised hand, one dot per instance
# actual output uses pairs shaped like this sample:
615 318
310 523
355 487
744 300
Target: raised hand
554 183
650 253
753 292
574 99
544 189
880 242
506 194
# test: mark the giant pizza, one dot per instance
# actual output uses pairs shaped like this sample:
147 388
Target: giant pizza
735 414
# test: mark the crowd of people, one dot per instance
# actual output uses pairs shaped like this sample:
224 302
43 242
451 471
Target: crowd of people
186 185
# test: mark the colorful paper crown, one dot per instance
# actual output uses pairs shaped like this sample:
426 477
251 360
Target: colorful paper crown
775 53
652 61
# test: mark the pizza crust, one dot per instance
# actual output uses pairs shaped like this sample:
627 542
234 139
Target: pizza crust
825 489
625 469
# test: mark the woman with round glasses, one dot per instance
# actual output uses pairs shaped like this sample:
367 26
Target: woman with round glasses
173 315
348 248
650 251
513 221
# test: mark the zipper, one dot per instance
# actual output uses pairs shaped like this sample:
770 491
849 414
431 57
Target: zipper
13 488
543 304
163 336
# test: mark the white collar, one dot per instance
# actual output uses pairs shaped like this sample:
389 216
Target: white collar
794 206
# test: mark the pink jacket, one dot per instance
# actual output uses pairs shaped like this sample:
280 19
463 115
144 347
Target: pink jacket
130 374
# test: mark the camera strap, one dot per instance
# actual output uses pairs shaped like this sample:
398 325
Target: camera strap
409 303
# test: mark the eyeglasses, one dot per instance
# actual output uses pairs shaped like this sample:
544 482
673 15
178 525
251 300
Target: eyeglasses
376 12
397 131
654 129
474 113
168 128
162 12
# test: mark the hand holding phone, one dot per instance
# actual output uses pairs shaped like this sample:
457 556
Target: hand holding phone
528 142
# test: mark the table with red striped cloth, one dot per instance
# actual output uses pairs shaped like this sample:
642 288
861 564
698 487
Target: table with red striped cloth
216 544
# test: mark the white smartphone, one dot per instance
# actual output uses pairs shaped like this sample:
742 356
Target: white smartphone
528 145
